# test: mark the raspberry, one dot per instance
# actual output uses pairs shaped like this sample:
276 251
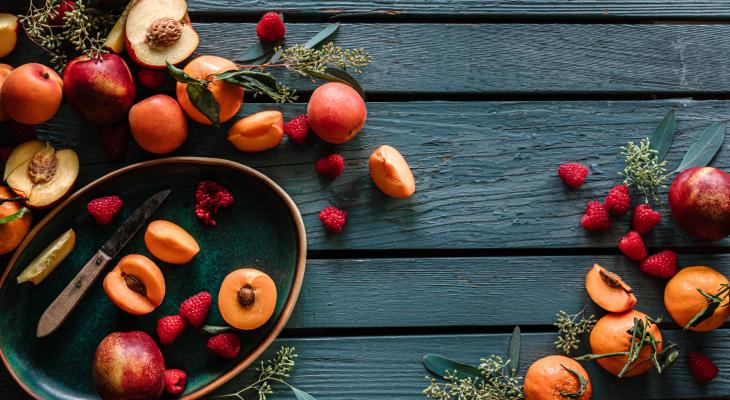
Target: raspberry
330 166
175 380
595 217
297 129
618 200
645 218
210 196
170 328
104 209
226 345
333 218
633 246
271 28
662 264
114 139
573 174
701 367
195 308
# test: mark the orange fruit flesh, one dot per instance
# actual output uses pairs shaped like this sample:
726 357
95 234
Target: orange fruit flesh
390 172
608 290
683 301
256 314
127 299
170 243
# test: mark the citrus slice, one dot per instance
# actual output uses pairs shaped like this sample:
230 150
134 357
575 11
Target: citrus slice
49 258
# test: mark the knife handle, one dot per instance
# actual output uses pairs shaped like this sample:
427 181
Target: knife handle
62 306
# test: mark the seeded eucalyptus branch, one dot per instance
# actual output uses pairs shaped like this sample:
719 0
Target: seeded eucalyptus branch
571 327
643 170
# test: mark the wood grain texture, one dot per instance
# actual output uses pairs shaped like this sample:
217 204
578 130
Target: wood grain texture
485 171
413 59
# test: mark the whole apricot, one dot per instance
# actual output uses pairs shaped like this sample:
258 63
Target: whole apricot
4 71
135 285
247 298
257 132
170 243
683 299
390 172
228 96
158 124
31 94
336 112
12 233
549 378
608 290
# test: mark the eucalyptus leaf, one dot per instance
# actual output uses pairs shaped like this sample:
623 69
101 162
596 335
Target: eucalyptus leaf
180 75
514 350
704 149
215 329
204 101
14 216
277 56
438 365
322 35
333 74
663 135
256 51
300 394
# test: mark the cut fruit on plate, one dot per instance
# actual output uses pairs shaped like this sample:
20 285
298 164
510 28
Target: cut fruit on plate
159 31
49 258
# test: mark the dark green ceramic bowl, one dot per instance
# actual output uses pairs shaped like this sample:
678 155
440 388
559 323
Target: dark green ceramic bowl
262 229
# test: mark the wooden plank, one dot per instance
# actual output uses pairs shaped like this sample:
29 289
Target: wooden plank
485 171
518 59
675 9
466 292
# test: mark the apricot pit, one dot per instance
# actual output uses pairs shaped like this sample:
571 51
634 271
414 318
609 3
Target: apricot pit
135 285
247 298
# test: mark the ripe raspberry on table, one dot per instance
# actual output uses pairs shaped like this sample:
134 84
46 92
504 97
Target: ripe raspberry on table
195 308
703 369
632 245
330 166
271 27
573 174
618 200
645 218
175 380
210 197
333 219
297 129
226 345
595 217
662 264
105 208
170 328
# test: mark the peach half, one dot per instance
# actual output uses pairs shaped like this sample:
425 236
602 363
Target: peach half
135 285
390 172
4 72
170 243
608 290
8 33
258 132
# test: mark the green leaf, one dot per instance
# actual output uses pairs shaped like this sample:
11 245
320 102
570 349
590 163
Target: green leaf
180 75
663 135
277 56
704 314
438 365
514 350
704 149
204 101
582 381
215 329
256 51
15 216
322 35
301 395
333 74
227 74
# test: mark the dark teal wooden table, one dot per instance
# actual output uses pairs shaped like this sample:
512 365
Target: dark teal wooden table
485 99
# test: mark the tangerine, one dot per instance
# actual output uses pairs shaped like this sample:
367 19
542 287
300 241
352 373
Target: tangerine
683 300
228 96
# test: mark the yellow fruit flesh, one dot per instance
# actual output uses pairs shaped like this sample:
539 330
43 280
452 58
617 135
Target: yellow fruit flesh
49 258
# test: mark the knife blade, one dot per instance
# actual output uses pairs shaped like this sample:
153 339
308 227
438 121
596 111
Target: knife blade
62 306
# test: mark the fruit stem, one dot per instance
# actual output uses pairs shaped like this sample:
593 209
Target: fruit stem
12 199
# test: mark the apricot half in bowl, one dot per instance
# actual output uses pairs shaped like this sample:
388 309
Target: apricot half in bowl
247 298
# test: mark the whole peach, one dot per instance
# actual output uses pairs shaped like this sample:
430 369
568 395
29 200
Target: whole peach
129 365
158 124
336 112
31 94
101 91
4 72
699 199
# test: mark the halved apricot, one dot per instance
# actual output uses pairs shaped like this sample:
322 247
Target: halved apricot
257 132
135 285
170 243
391 173
247 298
608 290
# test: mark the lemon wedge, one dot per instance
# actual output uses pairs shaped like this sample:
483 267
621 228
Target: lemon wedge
49 258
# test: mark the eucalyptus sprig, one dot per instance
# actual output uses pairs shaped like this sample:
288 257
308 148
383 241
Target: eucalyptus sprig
273 371
641 336
644 170
83 31
571 328
714 301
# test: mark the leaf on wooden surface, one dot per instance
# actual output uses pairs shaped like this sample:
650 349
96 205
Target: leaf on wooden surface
277 56
14 216
333 74
322 35
438 365
662 137
256 51
704 148
514 350
204 101
300 394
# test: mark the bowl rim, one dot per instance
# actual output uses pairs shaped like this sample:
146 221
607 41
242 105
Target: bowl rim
296 283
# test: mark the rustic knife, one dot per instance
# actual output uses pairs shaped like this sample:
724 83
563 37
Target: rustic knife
57 312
